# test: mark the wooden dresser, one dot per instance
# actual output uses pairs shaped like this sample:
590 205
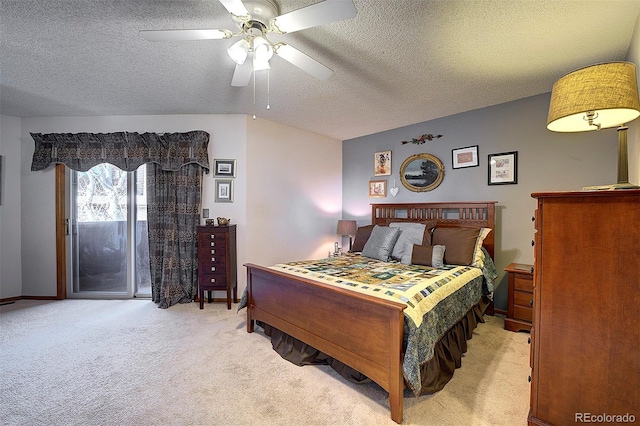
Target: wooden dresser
520 297
217 261
585 340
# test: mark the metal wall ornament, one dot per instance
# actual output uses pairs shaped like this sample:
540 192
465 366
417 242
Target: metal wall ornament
422 139
421 172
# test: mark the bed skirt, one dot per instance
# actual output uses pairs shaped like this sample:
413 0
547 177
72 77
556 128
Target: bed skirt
435 373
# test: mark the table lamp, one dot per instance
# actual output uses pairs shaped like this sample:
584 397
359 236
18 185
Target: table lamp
598 97
347 227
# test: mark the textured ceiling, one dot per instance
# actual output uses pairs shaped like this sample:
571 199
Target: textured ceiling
398 62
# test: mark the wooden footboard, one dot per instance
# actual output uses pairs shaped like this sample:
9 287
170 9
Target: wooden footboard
361 331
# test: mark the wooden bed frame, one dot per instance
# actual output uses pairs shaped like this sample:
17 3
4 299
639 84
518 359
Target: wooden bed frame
323 315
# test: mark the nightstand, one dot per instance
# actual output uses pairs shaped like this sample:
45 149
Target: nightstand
520 301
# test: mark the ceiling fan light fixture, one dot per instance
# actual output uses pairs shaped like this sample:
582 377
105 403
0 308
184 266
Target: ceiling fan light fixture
262 49
238 51
260 64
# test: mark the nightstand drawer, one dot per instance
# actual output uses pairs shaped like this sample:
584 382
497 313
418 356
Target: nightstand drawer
522 298
523 282
523 313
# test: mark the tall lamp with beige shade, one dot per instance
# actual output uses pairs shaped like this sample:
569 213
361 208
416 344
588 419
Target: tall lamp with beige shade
598 97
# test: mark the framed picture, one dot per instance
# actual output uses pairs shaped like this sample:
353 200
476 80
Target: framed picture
377 188
503 168
225 168
382 163
224 191
465 157
421 172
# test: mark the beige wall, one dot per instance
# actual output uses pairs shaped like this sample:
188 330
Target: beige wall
283 206
10 223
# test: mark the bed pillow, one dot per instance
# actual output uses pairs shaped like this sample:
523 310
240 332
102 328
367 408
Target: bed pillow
362 235
410 232
380 243
462 243
478 253
428 231
415 254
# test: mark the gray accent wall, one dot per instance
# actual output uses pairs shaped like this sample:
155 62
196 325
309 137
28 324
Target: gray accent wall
547 161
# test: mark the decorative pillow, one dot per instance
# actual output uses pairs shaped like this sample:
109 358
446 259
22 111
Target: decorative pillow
478 253
362 235
380 243
461 243
410 232
416 254
428 230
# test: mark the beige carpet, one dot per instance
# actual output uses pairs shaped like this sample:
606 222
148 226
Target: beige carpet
110 362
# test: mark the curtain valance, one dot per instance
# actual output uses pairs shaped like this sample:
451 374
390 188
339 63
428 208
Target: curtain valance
125 150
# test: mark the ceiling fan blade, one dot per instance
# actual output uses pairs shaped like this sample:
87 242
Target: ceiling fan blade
242 74
235 7
317 14
304 62
179 35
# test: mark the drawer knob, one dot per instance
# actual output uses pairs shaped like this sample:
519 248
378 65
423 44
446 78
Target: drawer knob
529 379
533 243
533 218
212 236
529 340
213 259
213 244
531 303
213 252
213 280
213 269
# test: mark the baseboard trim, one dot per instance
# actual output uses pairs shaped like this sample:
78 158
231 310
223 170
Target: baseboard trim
8 300
501 312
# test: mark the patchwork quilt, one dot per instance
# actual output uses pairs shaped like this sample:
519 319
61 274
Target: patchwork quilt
436 299
419 287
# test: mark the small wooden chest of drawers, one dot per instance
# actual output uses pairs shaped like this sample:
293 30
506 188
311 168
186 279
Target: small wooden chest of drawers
520 299
217 261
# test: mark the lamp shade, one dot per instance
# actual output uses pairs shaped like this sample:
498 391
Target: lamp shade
346 227
238 51
599 96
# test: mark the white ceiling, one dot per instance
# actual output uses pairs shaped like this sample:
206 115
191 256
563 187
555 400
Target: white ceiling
398 62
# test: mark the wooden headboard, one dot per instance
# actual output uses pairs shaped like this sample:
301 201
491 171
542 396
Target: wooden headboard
477 214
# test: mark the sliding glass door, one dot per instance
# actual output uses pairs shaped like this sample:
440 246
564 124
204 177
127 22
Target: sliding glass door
108 246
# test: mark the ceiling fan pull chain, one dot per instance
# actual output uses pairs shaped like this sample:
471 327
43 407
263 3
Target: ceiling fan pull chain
268 87
254 93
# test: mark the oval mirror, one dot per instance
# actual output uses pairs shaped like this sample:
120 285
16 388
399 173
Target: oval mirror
421 172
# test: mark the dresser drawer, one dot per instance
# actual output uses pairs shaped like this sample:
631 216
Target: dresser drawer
213 281
212 268
218 244
212 256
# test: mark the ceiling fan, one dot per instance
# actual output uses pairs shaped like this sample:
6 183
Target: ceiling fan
256 19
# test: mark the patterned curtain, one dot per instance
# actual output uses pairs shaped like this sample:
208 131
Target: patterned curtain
175 163
173 205
125 150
